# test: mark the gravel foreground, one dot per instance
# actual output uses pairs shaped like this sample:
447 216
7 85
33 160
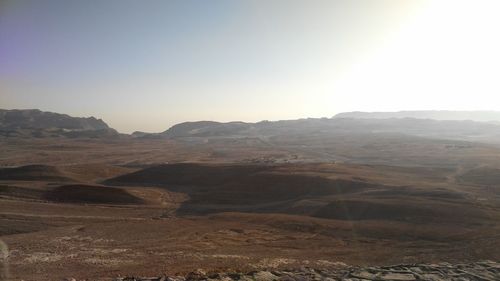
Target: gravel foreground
479 271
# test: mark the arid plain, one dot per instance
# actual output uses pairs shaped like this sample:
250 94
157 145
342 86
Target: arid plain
147 205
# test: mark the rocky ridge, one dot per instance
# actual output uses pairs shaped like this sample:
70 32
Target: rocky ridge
478 271
39 124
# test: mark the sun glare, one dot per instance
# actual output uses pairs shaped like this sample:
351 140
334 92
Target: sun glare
447 54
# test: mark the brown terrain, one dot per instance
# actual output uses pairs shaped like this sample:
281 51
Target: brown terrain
103 207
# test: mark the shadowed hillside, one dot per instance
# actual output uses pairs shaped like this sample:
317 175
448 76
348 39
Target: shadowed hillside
90 194
486 176
74 193
303 190
33 172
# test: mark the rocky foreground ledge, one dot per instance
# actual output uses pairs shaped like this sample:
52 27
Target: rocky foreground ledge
479 271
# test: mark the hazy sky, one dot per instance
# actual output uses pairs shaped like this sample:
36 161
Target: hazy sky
145 65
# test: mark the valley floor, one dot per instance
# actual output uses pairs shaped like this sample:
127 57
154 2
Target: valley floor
360 215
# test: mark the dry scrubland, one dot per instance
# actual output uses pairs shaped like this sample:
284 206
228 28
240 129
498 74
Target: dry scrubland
102 208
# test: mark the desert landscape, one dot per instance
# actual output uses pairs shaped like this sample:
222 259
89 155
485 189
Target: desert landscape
249 140
80 200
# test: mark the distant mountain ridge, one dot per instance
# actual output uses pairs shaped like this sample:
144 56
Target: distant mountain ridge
326 128
37 123
479 116
428 124
424 123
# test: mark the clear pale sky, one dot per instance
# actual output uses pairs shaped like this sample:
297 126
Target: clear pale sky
146 65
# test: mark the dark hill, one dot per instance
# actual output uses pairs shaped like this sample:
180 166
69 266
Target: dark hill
486 176
91 195
33 172
238 184
289 190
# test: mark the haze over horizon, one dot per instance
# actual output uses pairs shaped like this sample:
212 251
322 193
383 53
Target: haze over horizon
148 65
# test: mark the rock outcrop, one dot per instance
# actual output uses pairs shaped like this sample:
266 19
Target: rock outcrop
479 271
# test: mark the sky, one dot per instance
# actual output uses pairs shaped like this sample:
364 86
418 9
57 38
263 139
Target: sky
146 65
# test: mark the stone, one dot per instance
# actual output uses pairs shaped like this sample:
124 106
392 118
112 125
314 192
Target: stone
363 275
265 276
484 271
234 276
175 278
399 277
432 277
198 274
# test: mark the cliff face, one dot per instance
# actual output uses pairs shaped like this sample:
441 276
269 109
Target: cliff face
36 123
